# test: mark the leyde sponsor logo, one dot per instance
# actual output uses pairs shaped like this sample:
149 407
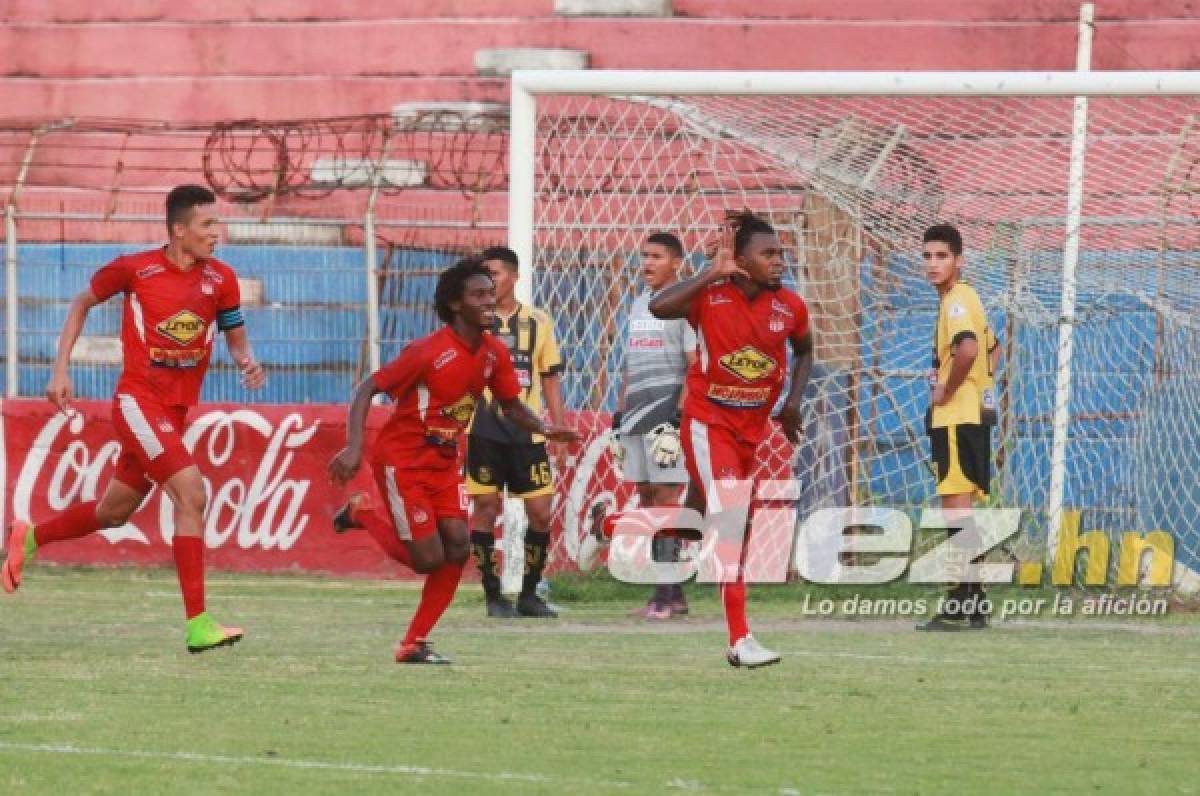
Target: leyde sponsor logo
183 327
748 364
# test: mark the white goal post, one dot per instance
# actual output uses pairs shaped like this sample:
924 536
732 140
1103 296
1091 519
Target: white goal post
1100 423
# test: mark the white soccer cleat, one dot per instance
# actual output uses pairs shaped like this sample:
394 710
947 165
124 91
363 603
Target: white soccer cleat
749 653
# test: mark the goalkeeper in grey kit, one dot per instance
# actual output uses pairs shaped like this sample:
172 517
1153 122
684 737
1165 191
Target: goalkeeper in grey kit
646 423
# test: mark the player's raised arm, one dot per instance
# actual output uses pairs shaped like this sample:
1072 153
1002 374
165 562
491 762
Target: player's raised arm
59 390
676 300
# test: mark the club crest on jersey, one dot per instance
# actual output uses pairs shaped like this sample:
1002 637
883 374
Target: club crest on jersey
748 364
461 410
776 324
444 358
183 327
207 289
420 517
165 426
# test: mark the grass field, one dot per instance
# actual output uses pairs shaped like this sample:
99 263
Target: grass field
97 695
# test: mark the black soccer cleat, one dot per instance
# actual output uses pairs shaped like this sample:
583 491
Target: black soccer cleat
419 652
500 607
531 606
344 520
942 624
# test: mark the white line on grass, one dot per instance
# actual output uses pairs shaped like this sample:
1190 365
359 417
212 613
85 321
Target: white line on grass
321 765
360 768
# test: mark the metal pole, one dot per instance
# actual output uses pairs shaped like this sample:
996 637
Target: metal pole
522 141
1066 321
11 303
372 264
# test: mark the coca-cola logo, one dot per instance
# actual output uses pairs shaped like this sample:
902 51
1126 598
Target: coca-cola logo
593 479
256 506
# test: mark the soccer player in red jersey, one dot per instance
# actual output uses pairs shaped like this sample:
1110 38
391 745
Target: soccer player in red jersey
744 320
176 298
435 383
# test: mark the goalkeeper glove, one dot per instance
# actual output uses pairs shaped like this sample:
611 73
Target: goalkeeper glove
614 440
665 445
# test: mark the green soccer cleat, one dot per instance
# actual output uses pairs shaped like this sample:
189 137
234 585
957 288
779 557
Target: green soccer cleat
203 633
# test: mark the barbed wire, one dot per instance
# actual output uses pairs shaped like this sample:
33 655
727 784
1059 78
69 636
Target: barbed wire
250 160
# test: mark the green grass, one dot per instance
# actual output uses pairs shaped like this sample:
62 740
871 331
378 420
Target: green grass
97 695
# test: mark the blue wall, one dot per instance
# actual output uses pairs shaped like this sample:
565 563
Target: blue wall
310 332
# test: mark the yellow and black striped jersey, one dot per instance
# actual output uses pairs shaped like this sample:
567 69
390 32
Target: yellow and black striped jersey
961 315
529 334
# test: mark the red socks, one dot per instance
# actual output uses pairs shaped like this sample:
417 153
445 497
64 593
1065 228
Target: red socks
436 597
189 566
733 596
384 535
78 520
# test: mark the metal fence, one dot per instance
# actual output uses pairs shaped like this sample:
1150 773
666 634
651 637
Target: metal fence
336 229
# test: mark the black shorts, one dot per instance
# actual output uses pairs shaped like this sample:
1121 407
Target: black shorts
523 468
963 457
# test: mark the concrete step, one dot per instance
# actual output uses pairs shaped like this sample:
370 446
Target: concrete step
205 98
86 11
613 8
502 62
937 11
405 48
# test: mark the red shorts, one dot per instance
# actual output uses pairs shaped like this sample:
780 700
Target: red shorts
151 438
714 453
415 500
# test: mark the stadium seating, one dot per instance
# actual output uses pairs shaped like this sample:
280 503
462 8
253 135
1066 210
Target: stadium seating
69 59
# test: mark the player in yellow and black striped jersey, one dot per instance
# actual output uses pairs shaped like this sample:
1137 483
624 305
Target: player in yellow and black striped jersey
500 455
962 406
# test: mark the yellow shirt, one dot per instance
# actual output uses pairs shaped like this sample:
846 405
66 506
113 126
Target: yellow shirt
529 334
960 314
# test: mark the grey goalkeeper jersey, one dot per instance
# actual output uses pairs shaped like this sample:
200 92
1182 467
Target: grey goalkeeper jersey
656 366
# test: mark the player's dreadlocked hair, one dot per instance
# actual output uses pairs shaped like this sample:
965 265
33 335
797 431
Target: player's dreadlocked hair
745 226
452 282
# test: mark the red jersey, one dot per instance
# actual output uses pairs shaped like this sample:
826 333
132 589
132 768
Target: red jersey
169 321
435 383
741 355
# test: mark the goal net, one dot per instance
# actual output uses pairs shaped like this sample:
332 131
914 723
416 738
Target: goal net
850 178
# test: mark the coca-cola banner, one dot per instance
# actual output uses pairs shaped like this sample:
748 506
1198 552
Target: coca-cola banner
270 502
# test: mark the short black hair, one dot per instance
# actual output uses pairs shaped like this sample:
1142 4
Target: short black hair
183 198
947 234
668 241
745 226
452 282
503 254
